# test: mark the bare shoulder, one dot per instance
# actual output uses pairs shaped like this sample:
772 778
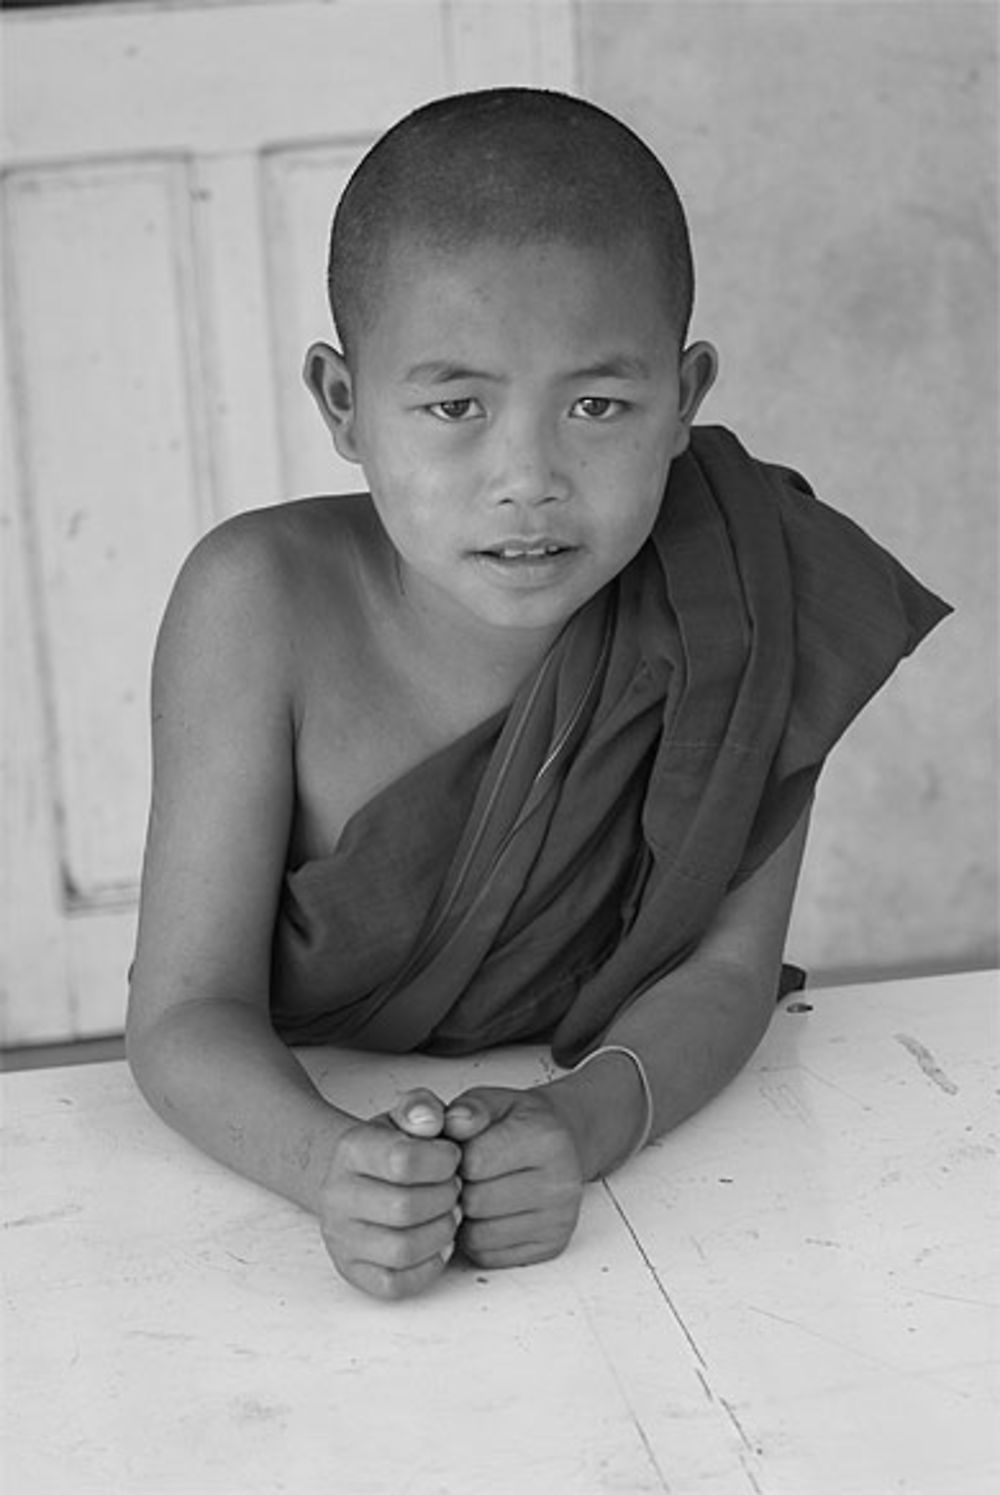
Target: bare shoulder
269 554
257 585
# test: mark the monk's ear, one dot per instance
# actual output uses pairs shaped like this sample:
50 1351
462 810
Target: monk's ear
699 367
331 385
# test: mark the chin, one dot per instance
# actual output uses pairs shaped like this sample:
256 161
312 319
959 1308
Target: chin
524 615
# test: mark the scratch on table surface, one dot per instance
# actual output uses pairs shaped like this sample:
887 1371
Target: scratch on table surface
647 1446
747 1451
626 1398
46 1217
925 1377
926 1292
927 1062
839 1344
656 1278
747 1444
785 1101
165 1336
814 1074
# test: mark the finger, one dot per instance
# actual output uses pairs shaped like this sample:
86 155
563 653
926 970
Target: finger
524 1139
384 1283
382 1152
514 1193
400 1250
376 1202
528 1253
419 1113
470 1114
535 1229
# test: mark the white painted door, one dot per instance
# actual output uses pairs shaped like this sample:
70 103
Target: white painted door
169 172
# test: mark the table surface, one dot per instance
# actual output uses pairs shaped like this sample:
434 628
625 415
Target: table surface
793 1292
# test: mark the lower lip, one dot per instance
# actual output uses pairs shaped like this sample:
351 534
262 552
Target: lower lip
527 570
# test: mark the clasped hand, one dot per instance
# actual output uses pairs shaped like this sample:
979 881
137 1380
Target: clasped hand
497 1173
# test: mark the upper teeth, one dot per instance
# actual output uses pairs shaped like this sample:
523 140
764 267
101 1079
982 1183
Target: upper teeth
509 551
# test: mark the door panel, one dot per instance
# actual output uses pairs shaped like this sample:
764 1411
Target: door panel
115 476
169 173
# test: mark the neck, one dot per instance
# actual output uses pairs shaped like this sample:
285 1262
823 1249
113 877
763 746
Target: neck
480 661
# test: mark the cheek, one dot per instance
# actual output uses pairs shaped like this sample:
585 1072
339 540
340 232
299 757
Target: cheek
634 494
640 475
411 502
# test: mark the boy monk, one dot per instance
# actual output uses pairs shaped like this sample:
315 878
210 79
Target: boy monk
519 744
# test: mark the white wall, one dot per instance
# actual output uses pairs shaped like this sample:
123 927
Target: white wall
839 166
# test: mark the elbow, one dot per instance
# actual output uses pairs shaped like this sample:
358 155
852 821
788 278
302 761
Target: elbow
142 1054
151 1041
748 994
133 1032
137 1027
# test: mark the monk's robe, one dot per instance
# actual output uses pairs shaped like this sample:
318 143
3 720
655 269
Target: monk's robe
533 877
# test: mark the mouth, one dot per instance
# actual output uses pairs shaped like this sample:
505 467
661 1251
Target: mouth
525 550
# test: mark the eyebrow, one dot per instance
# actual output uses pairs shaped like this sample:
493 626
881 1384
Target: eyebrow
436 371
619 366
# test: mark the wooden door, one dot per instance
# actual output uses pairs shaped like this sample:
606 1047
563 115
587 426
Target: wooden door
169 172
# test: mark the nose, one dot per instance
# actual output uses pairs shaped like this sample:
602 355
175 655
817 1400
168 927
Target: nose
527 469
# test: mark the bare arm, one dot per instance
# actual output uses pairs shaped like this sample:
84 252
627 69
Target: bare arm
199 1036
694 1029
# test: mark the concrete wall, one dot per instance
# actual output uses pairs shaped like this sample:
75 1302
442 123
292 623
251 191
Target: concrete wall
838 162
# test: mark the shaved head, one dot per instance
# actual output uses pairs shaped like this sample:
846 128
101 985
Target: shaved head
512 166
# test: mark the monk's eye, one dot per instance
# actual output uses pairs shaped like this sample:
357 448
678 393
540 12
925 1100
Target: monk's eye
456 411
597 407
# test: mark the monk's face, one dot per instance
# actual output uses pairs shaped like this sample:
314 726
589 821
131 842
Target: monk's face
516 410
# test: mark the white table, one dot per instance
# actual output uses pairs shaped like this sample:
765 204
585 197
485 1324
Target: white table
791 1293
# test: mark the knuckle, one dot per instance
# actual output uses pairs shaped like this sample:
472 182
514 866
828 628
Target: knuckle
548 1250
566 1196
386 1283
333 1239
400 1283
474 1253
360 1150
474 1162
398 1252
399 1162
399 1209
345 1154
474 1237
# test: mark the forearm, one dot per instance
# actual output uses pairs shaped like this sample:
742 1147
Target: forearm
692 1031
218 1074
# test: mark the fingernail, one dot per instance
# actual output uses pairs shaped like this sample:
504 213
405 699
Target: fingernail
448 1253
460 1114
421 1116
457 1214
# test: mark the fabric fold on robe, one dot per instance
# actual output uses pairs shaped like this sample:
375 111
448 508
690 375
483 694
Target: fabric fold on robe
532 878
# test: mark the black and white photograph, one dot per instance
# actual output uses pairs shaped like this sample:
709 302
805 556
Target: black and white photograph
499 743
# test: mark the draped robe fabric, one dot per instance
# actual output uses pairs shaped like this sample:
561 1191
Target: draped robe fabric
532 878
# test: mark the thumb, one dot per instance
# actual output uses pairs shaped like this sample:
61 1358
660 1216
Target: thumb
418 1113
470 1113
